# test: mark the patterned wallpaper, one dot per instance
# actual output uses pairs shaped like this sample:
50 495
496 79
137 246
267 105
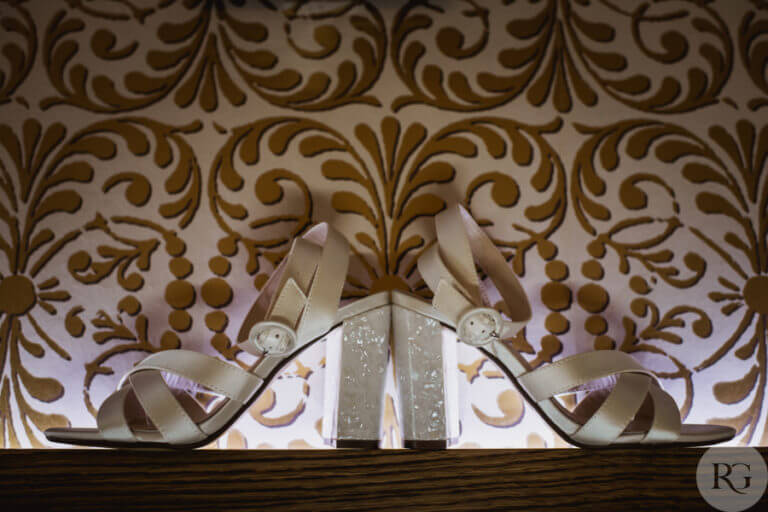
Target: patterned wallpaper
157 156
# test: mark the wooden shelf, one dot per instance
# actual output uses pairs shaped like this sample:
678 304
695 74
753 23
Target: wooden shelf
209 480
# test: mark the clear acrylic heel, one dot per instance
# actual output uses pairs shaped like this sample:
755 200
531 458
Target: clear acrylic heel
425 371
356 364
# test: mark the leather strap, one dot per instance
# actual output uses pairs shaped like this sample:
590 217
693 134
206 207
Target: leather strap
567 373
616 412
666 418
325 291
634 386
210 372
448 268
298 265
111 418
163 409
457 251
309 285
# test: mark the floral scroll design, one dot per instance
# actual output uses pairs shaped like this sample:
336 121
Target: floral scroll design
561 51
18 48
116 10
388 179
219 49
45 176
753 37
728 169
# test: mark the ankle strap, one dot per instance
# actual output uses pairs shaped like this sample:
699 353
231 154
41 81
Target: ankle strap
299 301
448 268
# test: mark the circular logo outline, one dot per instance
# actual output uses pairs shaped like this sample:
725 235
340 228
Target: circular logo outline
731 479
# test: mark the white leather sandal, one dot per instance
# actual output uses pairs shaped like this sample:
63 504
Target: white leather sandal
625 404
298 305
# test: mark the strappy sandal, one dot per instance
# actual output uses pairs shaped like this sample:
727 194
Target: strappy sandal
298 305
625 404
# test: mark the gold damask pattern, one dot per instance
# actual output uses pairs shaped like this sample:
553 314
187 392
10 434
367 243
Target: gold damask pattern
157 157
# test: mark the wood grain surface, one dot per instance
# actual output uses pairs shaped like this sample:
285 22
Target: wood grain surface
565 479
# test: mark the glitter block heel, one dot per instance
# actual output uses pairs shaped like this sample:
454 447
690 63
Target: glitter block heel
425 368
356 364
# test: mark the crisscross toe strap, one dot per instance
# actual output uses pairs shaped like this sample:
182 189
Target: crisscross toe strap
163 409
449 270
171 413
666 418
111 418
297 305
634 385
574 371
225 379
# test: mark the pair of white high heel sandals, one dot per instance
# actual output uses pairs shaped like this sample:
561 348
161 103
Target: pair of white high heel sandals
624 403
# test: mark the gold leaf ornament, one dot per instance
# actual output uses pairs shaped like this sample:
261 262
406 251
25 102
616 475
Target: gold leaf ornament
217 49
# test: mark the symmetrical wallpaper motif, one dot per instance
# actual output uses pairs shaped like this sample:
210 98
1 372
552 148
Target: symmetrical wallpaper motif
157 157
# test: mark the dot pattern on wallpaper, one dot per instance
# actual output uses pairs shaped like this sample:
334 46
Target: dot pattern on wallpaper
157 157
